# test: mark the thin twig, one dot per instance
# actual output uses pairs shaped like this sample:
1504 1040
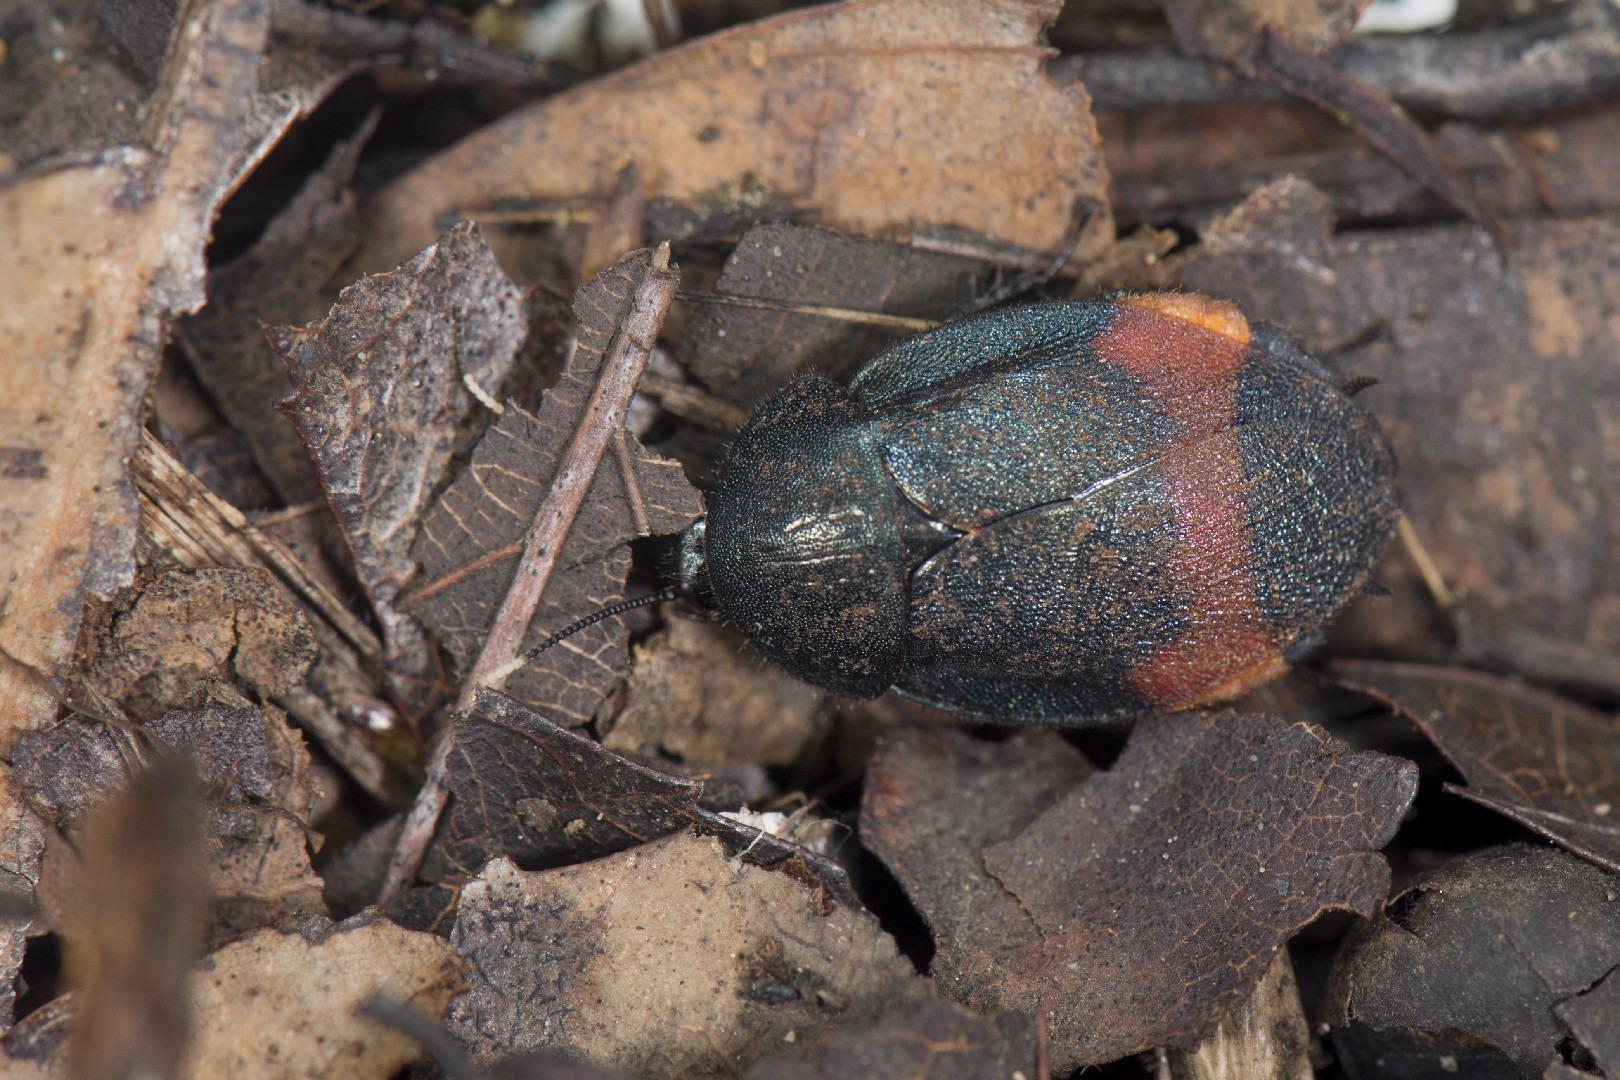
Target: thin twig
603 417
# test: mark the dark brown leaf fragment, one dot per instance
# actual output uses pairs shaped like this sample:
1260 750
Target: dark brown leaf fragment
1148 901
544 796
472 537
1489 946
1549 764
384 390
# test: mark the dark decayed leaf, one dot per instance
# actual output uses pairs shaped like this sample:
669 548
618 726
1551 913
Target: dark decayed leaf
1547 763
472 537
279 280
1489 946
1501 425
177 626
383 392
544 796
917 1037
672 959
743 353
1149 900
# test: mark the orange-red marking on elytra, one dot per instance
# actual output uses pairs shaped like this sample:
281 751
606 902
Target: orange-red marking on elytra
1186 351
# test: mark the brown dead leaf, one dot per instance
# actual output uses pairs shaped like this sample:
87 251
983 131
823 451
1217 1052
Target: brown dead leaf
1148 901
1487 946
472 537
383 394
871 114
178 626
99 254
917 1037
700 694
1549 764
671 959
1507 491
742 353
544 796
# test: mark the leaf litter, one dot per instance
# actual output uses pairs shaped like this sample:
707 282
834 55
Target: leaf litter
1031 868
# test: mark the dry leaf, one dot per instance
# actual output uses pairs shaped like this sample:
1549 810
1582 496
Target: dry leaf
701 695
383 392
178 626
544 796
1148 901
99 254
1549 764
871 113
1488 946
472 537
671 959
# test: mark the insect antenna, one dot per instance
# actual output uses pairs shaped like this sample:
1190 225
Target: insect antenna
669 592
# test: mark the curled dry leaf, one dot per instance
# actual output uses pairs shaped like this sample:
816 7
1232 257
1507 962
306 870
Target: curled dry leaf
870 113
1508 493
672 959
1488 946
544 796
1149 900
471 540
99 254
698 693
383 389
181 625
1547 763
